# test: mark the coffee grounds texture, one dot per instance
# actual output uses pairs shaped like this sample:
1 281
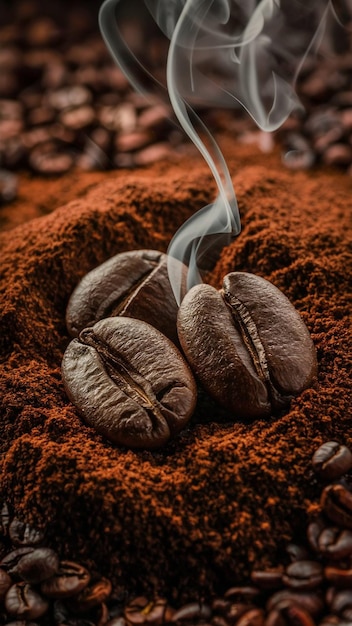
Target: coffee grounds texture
224 497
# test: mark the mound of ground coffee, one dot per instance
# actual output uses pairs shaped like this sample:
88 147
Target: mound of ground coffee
223 497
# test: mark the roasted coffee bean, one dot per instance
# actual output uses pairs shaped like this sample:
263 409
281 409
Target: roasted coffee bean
5 584
338 577
24 602
22 534
267 579
133 284
332 460
290 615
253 617
247 344
335 543
237 609
303 575
8 186
296 552
38 565
129 382
10 562
192 611
47 159
69 580
311 602
336 502
219 620
220 605
4 520
91 596
342 600
242 594
143 611
78 118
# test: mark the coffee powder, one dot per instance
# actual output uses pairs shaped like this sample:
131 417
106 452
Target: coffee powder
223 497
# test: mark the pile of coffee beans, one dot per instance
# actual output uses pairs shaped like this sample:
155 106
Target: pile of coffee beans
246 344
312 587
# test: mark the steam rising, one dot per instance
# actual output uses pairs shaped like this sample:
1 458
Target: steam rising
223 53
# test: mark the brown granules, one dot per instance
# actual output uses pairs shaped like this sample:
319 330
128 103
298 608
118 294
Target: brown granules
223 497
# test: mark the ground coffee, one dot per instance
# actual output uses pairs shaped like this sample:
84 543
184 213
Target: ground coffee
224 497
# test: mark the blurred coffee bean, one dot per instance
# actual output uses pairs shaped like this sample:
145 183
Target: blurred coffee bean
242 594
42 32
267 579
192 611
22 534
116 621
312 603
47 160
153 154
237 609
4 520
143 611
10 562
8 186
339 577
121 117
94 594
290 615
335 543
130 142
342 600
73 96
78 118
154 116
253 617
296 552
332 460
5 584
298 153
220 606
38 565
303 575
69 580
338 154
22 601
41 115
336 502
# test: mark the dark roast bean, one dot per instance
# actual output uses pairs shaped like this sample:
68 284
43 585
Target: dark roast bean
342 600
332 460
10 562
133 284
142 611
237 609
78 118
69 97
242 594
91 596
335 543
220 605
22 534
38 565
5 518
247 344
24 602
336 501
267 579
253 617
5 584
219 620
296 552
339 577
311 602
8 186
70 579
290 615
303 575
192 611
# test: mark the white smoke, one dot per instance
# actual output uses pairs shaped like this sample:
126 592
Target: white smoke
223 53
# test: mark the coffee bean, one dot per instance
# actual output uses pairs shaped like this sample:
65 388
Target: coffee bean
339 577
253 617
78 118
341 601
247 344
311 602
298 152
133 284
303 575
143 611
332 460
10 562
336 502
5 584
37 565
47 160
192 611
290 615
70 579
8 186
91 596
74 96
24 602
242 594
296 552
338 154
129 382
5 518
22 534
157 152
267 579
335 543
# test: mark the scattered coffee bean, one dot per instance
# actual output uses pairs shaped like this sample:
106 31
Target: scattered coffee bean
10 562
129 382
24 602
336 502
303 575
332 460
22 534
93 595
267 579
193 610
69 580
247 344
37 565
8 186
132 284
